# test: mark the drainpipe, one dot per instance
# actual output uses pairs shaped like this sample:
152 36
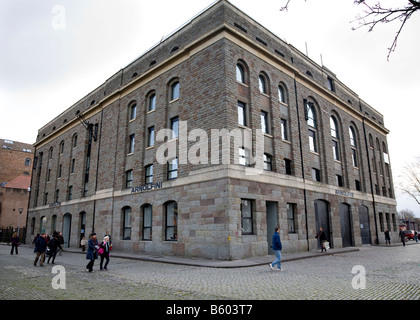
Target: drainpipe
370 178
302 166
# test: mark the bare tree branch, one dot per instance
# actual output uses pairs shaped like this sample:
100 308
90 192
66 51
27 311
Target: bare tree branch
376 14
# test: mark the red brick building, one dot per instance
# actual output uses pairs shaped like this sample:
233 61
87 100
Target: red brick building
16 160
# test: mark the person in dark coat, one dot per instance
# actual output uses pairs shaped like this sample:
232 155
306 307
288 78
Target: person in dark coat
277 249
106 246
15 243
52 245
40 248
92 253
322 239
387 237
402 236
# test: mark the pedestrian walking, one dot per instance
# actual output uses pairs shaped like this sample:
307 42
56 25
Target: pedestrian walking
106 246
92 253
83 244
60 242
277 249
40 248
416 236
52 245
387 237
322 239
15 243
402 236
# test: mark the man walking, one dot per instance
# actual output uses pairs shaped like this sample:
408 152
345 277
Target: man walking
277 249
40 248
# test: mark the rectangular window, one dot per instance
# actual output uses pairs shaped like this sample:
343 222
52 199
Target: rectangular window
151 137
73 161
338 180
242 114
70 193
173 169
57 195
284 133
291 217
147 222
149 173
127 223
312 141
381 221
358 186
129 178
316 174
287 166
331 85
264 122
175 127
131 144
336 151
60 169
268 162
171 233
246 216
354 158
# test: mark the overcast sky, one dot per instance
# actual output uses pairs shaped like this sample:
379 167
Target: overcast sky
53 53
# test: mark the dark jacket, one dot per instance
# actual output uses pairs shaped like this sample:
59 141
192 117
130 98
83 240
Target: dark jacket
92 253
321 235
105 246
276 241
53 244
40 245
15 241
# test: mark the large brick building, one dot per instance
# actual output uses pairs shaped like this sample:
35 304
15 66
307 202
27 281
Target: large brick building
260 135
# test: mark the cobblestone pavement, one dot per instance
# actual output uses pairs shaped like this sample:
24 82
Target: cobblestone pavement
390 273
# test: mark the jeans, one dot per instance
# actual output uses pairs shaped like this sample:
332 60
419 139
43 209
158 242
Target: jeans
278 258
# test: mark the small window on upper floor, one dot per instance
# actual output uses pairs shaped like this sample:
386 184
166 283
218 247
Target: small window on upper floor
282 94
331 84
133 111
152 102
175 91
240 73
262 84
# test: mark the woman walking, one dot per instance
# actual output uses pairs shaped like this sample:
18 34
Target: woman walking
106 246
92 253
15 243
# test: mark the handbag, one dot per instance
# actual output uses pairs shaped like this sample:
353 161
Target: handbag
100 251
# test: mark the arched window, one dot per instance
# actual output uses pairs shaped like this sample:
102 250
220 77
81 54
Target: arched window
151 102
132 111
126 227
74 141
335 138
171 228
334 129
147 222
262 84
353 145
312 126
282 94
240 73
175 90
27 162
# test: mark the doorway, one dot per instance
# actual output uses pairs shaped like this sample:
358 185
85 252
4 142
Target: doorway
345 224
364 225
66 229
271 218
322 217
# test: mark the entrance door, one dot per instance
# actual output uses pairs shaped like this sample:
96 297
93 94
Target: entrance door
271 223
322 217
364 225
345 223
82 225
66 229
